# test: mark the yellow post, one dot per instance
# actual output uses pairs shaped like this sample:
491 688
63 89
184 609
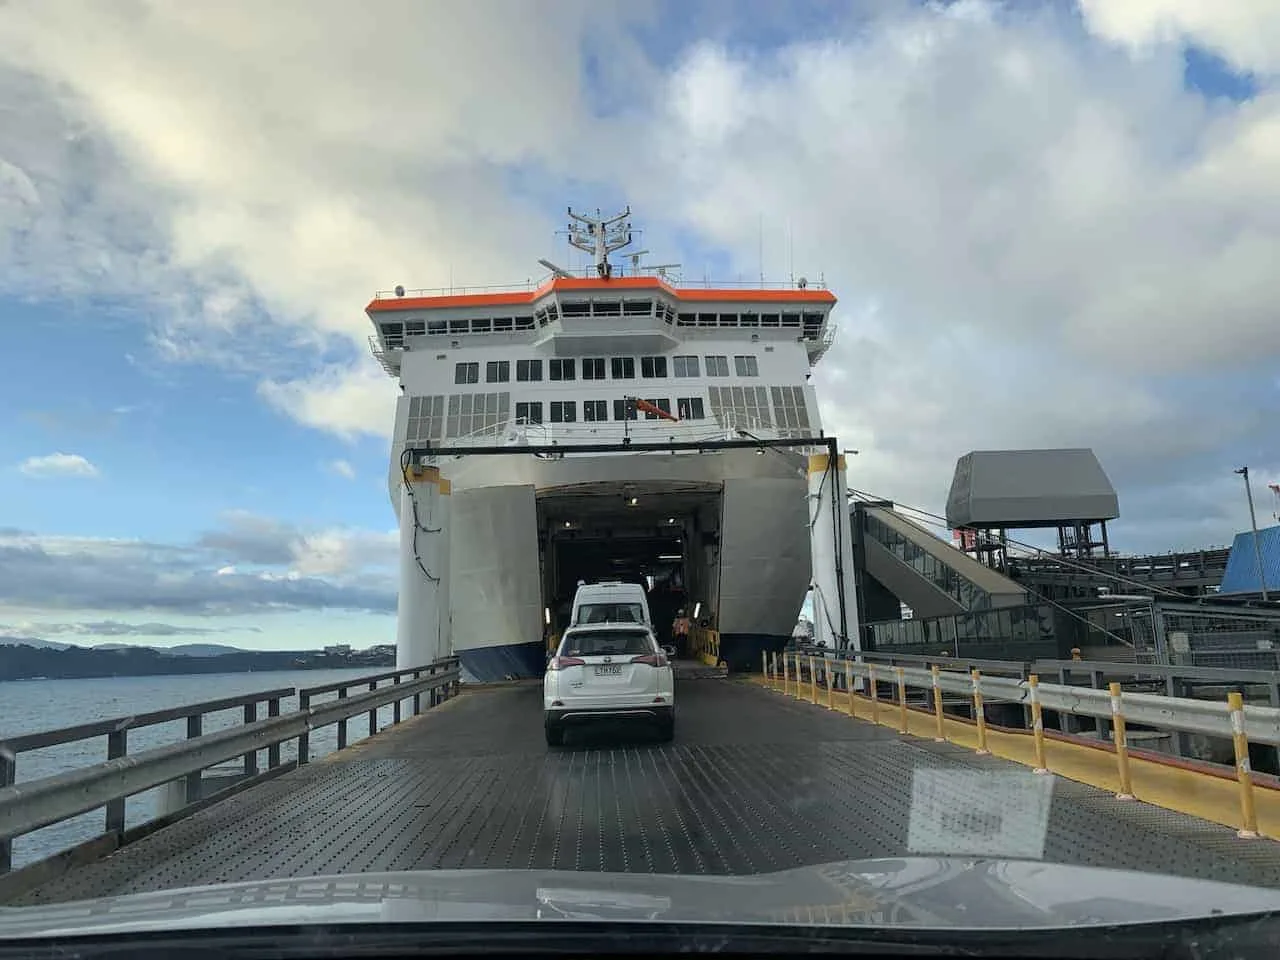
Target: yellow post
829 674
979 715
848 686
941 733
1122 745
786 680
1244 774
875 697
796 692
902 701
813 681
1037 723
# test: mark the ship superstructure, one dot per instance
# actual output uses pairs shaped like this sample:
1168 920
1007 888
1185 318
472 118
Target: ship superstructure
612 356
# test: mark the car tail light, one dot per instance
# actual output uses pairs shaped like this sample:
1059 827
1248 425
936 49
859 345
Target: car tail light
652 659
559 663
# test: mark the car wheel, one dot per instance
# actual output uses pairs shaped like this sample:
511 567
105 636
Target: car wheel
666 730
555 734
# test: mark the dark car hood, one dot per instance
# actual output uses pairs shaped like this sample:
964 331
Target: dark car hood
918 891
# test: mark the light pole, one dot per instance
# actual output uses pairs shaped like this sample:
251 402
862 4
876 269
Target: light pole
1253 522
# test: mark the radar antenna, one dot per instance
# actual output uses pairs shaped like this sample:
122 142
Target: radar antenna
600 236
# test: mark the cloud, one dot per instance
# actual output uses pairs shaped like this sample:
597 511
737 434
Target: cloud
1245 33
58 465
345 401
117 628
275 568
1038 240
341 468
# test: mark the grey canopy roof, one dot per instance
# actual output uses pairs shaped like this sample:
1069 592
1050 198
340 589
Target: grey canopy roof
1029 488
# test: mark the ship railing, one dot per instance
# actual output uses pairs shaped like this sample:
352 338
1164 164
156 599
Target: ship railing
864 686
531 284
32 805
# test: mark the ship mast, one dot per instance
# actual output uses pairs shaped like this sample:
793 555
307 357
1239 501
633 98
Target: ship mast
600 236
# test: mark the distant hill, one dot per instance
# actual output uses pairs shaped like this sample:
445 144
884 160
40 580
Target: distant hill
11 641
200 650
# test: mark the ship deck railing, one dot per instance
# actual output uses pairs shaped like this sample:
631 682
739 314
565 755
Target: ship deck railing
29 806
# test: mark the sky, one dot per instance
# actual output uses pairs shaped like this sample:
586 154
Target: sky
1049 224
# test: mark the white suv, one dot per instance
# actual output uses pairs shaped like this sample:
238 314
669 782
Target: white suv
608 671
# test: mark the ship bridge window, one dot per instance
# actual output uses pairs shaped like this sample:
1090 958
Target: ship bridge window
459 326
481 325
575 308
791 319
477 414
690 408
528 412
706 319
624 410
593 368
666 312
437 326
528 370
769 320
392 334
497 371
595 411
564 411
607 308
502 324
728 319
623 368
415 328
746 366
685 366
749 320
637 308
717 366
812 325
524 323
790 410
686 320
652 367
562 368
741 407
426 420
466 372
541 317
662 403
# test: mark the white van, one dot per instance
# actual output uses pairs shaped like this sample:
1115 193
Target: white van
610 602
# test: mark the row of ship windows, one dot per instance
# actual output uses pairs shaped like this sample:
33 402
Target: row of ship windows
394 331
593 368
435 418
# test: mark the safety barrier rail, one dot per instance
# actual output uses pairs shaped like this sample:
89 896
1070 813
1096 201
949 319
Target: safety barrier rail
26 807
705 644
804 675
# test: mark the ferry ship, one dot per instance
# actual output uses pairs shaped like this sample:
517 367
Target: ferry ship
494 543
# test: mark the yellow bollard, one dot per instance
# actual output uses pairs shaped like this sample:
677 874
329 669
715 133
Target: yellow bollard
941 734
902 701
848 686
1122 745
1244 773
813 681
786 680
798 677
1037 723
830 678
979 715
875 697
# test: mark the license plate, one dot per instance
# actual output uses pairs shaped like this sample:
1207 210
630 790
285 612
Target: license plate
609 670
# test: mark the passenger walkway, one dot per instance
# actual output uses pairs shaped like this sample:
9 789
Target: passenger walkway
756 781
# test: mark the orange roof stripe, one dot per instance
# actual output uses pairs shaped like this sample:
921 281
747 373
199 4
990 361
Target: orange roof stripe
583 285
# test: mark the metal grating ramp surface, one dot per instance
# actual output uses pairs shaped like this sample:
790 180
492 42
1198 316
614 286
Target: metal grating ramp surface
754 782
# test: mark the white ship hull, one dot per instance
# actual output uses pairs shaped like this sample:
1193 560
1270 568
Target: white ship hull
743 516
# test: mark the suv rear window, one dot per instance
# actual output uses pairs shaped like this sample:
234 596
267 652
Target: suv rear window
610 613
606 643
